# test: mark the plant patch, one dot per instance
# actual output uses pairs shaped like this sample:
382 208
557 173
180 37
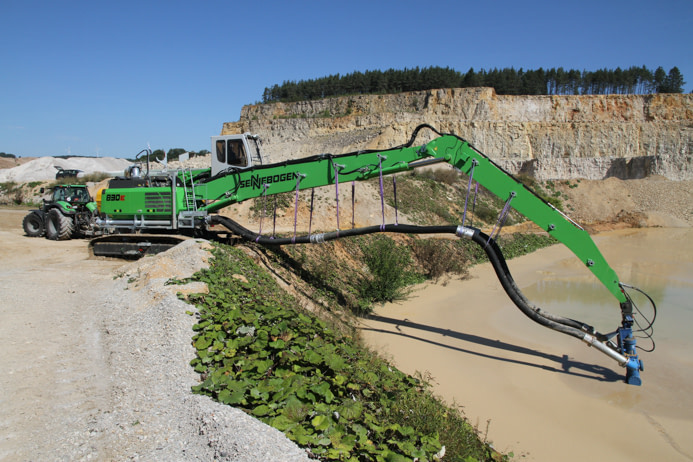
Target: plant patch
256 351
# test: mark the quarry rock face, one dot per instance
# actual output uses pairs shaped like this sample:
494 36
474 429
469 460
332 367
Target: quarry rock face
550 137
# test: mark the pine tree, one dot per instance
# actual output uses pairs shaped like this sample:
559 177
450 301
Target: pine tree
506 81
673 83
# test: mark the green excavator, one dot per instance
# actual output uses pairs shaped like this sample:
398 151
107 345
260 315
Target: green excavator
144 210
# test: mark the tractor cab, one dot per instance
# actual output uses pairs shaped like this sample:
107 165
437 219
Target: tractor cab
235 152
74 194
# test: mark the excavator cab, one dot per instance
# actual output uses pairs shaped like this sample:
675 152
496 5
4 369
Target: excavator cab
236 152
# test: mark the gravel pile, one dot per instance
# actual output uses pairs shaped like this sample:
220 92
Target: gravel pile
651 201
657 194
44 168
154 415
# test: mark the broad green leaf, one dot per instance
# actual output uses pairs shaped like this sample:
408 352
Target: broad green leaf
320 422
394 457
324 441
263 366
302 435
313 357
200 368
203 342
261 410
335 362
282 423
228 397
350 409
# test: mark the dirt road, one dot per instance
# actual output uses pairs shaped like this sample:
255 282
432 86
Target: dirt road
95 360
51 353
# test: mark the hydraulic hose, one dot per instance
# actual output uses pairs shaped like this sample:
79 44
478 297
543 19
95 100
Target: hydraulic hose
324 237
567 326
558 323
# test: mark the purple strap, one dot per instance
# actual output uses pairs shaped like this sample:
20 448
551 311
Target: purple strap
274 217
336 183
476 191
501 218
310 220
469 189
382 192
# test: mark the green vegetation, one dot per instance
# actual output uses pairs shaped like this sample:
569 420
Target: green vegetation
258 351
438 197
13 191
359 272
507 81
439 257
388 265
339 271
8 186
10 156
354 274
264 206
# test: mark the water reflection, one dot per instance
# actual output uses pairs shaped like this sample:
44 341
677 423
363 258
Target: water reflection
660 262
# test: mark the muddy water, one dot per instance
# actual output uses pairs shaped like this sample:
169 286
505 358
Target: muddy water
543 395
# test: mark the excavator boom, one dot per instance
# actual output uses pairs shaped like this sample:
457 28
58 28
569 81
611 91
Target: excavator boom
187 199
239 185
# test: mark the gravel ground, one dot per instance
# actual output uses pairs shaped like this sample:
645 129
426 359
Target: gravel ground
96 360
148 339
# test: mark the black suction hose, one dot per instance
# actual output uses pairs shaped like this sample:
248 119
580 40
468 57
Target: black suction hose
567 326
558 323
319 238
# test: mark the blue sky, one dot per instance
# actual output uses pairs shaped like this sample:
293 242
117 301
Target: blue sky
109 78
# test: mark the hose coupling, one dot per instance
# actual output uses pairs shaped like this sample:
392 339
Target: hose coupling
317 238
465 232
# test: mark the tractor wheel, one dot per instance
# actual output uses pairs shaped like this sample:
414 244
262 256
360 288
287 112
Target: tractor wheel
33 225
58 226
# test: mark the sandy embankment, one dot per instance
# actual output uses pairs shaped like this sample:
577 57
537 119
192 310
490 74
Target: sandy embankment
546 395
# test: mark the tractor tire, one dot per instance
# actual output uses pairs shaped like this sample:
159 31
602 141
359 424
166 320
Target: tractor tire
33 225
58 226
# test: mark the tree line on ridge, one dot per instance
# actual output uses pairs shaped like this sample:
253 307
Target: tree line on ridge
508 81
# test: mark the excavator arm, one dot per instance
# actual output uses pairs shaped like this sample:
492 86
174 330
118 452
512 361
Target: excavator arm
187 199
236 185
239 185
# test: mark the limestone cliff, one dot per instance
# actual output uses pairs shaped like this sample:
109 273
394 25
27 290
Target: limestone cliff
551 137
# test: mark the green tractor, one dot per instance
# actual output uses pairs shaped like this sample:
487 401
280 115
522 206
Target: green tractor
68 213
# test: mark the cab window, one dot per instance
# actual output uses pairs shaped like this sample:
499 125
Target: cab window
237 154
221 151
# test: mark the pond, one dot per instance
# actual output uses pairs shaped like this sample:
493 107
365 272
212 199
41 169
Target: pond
544 395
